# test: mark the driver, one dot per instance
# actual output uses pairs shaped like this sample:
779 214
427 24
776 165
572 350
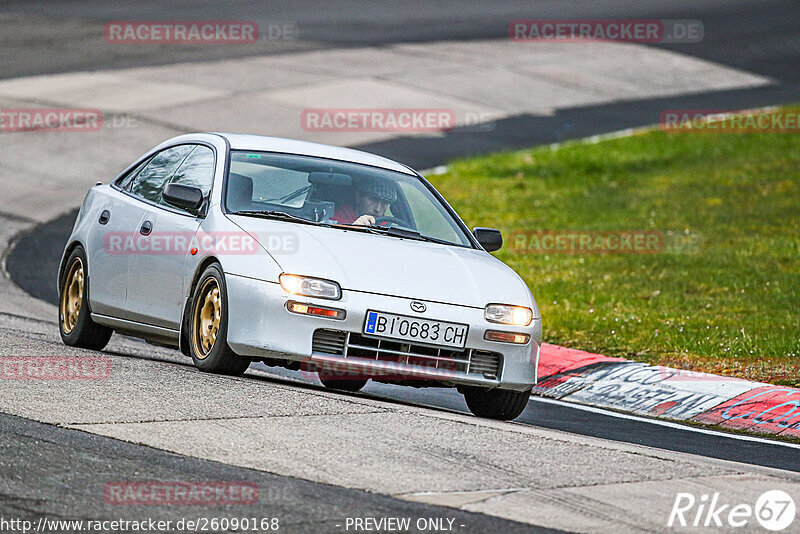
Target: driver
373 195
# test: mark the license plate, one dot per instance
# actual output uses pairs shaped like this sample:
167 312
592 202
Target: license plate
423 331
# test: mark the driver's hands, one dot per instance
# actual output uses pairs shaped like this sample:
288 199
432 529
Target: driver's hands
365 220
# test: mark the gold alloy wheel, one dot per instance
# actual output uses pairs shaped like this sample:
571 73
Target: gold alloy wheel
72 296
207 317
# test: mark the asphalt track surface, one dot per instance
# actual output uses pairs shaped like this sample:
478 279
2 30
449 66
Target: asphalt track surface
34 264
760 37
85 463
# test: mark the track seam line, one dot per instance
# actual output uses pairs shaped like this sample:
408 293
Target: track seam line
188 420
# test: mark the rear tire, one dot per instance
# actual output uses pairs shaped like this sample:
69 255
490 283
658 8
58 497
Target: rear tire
74 317
500 404
208 327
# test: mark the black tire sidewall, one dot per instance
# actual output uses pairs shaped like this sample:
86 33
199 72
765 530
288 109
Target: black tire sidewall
84 316
220 353
496 403
344 385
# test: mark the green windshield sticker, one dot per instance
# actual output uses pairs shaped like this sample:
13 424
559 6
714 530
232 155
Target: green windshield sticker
254 156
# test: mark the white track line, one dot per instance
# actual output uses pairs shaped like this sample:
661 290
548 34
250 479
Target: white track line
669 424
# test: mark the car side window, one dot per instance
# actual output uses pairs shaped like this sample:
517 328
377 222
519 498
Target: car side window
196 170
149 183
125 182
429 222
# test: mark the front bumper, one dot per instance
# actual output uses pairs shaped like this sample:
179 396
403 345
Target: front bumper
260 326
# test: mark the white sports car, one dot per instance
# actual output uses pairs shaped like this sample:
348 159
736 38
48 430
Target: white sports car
241 248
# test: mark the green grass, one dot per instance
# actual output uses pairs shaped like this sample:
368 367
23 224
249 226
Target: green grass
728 304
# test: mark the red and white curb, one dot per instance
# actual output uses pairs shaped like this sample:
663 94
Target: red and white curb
652 390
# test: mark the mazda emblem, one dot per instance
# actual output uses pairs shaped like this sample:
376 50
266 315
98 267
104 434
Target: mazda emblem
418 306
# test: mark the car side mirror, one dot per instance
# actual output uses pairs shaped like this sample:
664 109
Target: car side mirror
182 196
489 238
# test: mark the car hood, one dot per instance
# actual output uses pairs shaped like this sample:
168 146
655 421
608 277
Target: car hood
389 265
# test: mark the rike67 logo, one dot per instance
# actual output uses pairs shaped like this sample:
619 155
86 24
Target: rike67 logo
774 510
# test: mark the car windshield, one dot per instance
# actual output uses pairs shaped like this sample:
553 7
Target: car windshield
337 193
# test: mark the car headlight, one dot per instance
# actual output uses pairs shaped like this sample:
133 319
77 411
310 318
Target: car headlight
310 287
505 314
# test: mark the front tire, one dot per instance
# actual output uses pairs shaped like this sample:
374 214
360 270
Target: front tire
343 385
208 335
74 318
500 404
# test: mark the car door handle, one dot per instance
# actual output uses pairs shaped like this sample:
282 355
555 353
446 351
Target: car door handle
146 228
104 217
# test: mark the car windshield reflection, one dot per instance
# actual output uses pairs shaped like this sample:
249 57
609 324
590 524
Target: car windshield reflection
335 193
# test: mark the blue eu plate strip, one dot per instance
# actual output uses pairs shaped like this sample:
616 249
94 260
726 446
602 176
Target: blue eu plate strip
371 318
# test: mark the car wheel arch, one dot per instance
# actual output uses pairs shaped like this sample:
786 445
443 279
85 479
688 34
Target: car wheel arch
201 267
62 264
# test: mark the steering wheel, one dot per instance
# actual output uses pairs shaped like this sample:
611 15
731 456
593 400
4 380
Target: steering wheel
388 221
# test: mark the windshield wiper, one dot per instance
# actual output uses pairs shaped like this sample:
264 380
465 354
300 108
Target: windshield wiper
411 234
291 196
279 215
395 232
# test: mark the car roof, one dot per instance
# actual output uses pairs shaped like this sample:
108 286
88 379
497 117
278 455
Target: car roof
305 148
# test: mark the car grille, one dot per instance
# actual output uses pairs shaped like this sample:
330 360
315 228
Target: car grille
329 342
352 345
